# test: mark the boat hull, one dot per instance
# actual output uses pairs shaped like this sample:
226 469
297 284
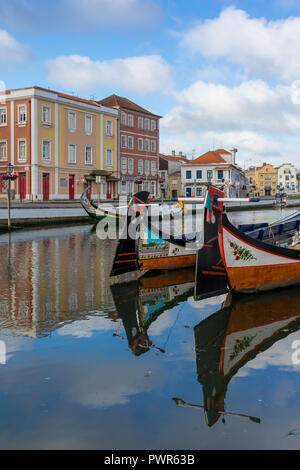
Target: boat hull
168 262
254 266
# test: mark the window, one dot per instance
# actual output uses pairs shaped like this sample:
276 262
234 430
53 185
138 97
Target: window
46 115
140 144
153 168
152 188
3 151
22 114
153 146
123 187
141 167
220 174
147 167
130 165
130 142
3 116
188 175
123 119
124 165
109 162
130 120
140 123
72 121
147 145
88 124
199 174
22 151
123 141
153 125
88 155
147 124
209 174
46 150
198 192
72 153
109 128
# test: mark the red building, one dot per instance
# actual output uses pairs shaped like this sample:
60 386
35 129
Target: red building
138 146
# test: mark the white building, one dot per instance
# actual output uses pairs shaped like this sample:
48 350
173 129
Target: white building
287 178
217 167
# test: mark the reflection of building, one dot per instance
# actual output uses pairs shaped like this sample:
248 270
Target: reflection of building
138 146
53 283
54 140
217 167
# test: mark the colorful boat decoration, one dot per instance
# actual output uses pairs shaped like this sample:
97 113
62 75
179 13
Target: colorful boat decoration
253 265
227 340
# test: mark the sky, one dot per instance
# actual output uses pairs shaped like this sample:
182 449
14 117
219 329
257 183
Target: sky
222 74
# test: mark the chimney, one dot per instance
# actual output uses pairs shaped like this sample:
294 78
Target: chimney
233 152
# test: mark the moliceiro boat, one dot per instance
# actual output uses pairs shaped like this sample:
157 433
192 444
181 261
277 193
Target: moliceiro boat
253 265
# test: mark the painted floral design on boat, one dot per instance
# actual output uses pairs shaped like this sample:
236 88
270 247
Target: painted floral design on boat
241 253
241 345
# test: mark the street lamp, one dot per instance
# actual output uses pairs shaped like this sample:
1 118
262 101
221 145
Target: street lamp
10 171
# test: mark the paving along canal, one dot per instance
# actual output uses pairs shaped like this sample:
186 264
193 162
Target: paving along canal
76 376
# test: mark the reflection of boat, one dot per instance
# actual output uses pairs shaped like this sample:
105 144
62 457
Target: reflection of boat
253 265
139 303
226 341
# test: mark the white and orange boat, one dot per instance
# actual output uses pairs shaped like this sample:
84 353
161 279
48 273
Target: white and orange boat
253 265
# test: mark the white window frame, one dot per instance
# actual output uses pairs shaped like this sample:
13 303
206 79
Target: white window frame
88 117
91 154
123 141
124 119
153 188
44 122
72 129
141 167
123 165
123 187
2 142
75 153
153 125
147 145
25 158
153 146
130 139
153 167
147 125
109 165
49 152
109 132
130 164
2 124
147 167
130 120
22 117
140 123
140 147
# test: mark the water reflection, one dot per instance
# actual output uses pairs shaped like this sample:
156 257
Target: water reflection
51 277
227 340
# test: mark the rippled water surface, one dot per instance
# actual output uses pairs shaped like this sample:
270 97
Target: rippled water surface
95 366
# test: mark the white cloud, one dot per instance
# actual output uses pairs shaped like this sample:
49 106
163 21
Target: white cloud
142 74
10 50
266 48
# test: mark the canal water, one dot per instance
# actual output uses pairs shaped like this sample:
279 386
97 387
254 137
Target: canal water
90 365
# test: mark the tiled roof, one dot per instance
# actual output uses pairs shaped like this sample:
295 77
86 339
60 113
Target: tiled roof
115 101
213 156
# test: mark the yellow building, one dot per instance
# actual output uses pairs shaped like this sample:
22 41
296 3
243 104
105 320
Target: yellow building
56 142
265 180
